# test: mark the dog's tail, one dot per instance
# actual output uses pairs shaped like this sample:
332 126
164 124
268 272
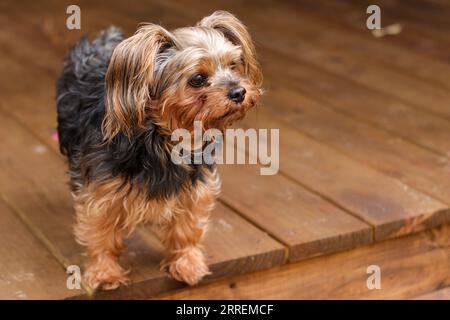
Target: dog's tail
81 85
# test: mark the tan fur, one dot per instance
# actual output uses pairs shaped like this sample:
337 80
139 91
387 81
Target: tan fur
106 216
130 73
238 34
215 110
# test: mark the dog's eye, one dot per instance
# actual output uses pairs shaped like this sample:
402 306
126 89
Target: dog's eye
198 80
235 64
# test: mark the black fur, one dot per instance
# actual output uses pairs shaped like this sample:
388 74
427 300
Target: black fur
143 161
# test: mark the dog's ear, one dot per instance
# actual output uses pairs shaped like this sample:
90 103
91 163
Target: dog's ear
235 31
130 80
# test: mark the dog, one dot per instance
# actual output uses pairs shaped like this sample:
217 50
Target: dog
118 101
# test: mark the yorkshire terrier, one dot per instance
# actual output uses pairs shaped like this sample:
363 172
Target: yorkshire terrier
118 101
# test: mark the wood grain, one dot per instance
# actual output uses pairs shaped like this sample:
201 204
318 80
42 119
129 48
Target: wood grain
305 222
318 17
27 269
364 104
442 294
390 206
413 37
415 166
404 274
423 15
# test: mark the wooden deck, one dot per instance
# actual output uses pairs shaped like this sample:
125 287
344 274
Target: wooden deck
364 154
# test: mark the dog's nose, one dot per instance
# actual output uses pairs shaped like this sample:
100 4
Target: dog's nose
237 94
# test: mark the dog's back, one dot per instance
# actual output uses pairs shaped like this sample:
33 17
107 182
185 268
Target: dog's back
80 89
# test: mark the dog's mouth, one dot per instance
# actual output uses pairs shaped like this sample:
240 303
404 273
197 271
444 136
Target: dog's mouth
228 114
238 109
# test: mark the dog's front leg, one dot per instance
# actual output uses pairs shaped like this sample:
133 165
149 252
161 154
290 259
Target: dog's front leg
185 260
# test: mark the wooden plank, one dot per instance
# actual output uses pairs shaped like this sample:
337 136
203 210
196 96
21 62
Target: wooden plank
32 180
391 207
425 16
415 166
362 70
412 37
442 294
341 232
27 269
364 104
302 220
340 34
404 274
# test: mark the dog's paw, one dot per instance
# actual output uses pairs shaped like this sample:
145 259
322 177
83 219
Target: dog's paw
189 267
105 276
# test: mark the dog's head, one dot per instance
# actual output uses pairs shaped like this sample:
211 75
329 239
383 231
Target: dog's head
208 73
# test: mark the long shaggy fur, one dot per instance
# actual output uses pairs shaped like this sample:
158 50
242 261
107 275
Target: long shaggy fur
118 101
